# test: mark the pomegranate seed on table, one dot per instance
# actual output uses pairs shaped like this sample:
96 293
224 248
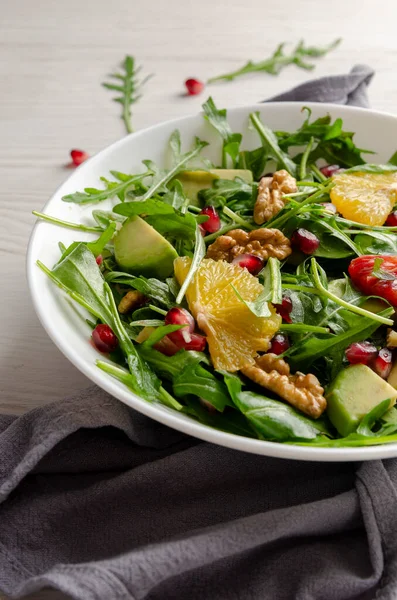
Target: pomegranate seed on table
391 220
284 309
330 170
361 353
194 86
253 264
180 316
279 344
382 364
213 224
99 259
104 339
305 241
78 157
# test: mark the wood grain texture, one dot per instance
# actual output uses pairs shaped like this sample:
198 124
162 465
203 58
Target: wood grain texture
53 56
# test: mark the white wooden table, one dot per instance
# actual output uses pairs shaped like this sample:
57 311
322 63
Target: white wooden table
53 56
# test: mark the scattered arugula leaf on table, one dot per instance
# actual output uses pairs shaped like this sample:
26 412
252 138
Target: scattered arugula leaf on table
279 60
128 86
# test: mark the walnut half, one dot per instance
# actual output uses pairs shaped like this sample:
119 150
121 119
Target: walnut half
271 192
264 243
132 300
302 391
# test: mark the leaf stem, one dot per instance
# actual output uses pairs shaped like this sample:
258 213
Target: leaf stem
67 224
237 219
199 253
305 156
355 309
302 328
278 222
213 236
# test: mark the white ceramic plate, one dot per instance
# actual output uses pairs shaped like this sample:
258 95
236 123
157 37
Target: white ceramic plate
64 321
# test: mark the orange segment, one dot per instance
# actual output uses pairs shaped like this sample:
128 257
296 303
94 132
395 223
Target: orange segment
234 333
366 198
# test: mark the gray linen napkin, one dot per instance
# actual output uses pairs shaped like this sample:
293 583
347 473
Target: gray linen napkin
103 503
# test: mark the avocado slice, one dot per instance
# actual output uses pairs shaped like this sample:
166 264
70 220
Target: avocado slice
194 181
354 392
392 379
141 250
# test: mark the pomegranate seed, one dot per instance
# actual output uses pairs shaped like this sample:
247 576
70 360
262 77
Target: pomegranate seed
180 316
361 353
391 220
382 364
104 338
284 309
305 241
78 156
166 346
213 224
99 259
198 343
279 344
194 86
330 170
252 263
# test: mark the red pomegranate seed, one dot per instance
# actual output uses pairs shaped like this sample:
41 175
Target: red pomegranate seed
104 338
166 346
305 241
99 259
382 364
180 316
252 263
78 156
284 309
213 224
197 343
279 344
194 86
391 220
361 353
330 170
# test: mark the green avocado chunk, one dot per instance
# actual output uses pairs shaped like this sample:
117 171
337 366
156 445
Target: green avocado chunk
194 181
141 250
354 392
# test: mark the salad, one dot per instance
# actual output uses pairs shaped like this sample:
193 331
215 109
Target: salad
256 295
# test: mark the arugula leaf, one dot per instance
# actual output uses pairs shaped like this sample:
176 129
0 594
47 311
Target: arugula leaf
230 421
112 189
160 215
175 197
393 159
367 422
380 273
253 160
304 353
195 379
153 288
67 224
272 419
270 142
231 141
98 246
333 145
199 253
104 218
272 290
374 242
79 276
162 177
237 194
128 87
278 60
